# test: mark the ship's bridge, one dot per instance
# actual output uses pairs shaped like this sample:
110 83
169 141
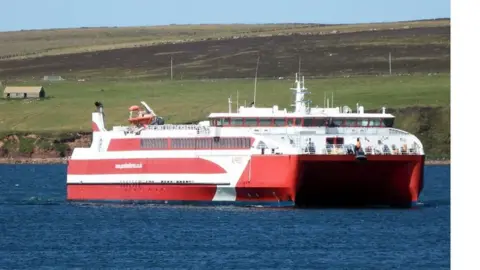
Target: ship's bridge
303 115
314 117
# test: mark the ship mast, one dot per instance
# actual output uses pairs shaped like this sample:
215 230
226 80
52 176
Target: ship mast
300 91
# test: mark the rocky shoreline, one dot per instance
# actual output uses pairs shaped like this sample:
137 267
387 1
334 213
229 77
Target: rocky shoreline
52 161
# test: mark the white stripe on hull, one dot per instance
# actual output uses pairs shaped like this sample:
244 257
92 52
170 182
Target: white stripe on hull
187 179
225 194
91 154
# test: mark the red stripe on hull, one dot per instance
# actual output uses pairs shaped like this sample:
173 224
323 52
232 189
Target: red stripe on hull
144 166
315 180
141 192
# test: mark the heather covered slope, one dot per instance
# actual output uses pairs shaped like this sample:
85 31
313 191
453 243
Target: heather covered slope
414 49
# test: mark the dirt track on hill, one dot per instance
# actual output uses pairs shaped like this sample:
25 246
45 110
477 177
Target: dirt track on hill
425 50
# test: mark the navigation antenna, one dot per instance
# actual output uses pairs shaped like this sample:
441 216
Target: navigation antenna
255 86
237 100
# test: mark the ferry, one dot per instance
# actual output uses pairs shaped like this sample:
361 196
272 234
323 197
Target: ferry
306 157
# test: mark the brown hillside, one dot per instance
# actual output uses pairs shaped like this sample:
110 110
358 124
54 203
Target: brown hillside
413 50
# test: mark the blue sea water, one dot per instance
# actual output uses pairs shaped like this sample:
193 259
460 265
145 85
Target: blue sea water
40 230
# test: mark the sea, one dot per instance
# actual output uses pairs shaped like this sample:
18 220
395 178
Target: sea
39 229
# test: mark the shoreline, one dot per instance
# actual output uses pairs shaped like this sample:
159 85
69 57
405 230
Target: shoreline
54 161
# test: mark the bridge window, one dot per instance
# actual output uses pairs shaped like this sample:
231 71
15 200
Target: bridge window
363 122
388 122
290 122
265 122
279 122
250 122
374 123
298 121
223 121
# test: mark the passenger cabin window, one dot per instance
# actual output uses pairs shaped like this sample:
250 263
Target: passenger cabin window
204 143
308 122
250 122
154 143
237 122
279 122
334 140
265 122
337 122
363 122
350 122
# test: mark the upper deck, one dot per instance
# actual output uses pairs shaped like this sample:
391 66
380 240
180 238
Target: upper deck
273 128
303 115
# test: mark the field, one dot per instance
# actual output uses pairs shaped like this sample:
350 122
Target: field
122 66
70 103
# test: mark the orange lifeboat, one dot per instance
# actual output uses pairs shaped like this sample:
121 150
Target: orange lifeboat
141 117
134 108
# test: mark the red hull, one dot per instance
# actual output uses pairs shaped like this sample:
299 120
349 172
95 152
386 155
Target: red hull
306 180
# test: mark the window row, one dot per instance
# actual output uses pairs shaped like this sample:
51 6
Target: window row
303 122
196 143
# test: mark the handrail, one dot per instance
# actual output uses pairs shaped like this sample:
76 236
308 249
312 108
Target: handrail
341 149
200 129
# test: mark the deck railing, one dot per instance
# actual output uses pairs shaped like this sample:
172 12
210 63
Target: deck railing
340 149
199 129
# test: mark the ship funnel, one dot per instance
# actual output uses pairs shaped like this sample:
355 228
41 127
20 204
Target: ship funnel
98 118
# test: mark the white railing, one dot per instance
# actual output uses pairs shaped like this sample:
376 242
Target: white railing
394 131
340 149
198 128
